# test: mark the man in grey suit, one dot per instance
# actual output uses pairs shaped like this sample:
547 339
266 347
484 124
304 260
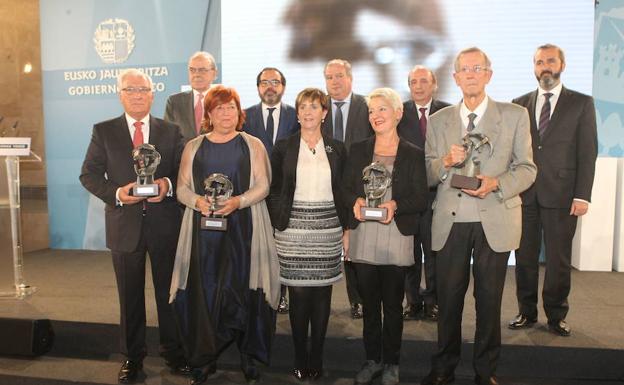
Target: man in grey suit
484 223
346 121
270 120
563 128
186 109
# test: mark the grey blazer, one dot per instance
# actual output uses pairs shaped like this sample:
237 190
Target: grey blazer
507 127
358 126
181 111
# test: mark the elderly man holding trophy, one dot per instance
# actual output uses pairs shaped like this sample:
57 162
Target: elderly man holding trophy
385 185
141 217
478 154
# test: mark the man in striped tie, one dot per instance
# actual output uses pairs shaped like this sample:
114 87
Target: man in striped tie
563 130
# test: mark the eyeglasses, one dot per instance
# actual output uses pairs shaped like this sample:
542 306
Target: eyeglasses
136 90
200 70
476 69
274 83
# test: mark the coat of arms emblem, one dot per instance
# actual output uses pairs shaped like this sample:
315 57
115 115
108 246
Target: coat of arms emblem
114 40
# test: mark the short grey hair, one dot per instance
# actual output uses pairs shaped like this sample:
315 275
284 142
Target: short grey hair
464 51
133 72
422 67
386 93
205 55
551 46
342 62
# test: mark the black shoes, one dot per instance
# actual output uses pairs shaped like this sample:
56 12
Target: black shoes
200 375
521 321
485 381
300 374
357 311
179 367
129 371
560 328
412 311
283 307
434 378
431 312
249 368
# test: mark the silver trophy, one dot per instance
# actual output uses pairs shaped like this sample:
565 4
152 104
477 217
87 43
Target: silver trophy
377 179
146 159
219 188
476 146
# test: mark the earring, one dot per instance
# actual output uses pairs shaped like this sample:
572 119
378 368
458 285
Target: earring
322 120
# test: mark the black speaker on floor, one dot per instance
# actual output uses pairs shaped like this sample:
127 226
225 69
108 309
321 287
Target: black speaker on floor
25 337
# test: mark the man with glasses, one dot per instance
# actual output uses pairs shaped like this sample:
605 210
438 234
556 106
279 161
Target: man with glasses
136 226
565 143
484 222
271 120
186 109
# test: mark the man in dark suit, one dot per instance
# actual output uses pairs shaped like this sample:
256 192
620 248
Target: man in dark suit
186 109
482 225
136 225
269 121
347 121
563 128
423 84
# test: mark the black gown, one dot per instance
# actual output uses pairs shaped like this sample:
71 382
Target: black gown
217 307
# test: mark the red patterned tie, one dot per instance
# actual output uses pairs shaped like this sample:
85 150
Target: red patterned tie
423 122
137 139
199 113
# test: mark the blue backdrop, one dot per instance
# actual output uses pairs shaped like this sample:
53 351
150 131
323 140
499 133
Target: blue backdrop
84 44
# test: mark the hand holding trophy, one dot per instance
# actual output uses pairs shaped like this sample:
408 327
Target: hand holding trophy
377 179
466 178
146 159
218 189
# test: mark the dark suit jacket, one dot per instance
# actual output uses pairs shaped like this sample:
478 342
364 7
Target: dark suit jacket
108 165
254 124
409 126
409 182
284 179
181 111
358 126
566 154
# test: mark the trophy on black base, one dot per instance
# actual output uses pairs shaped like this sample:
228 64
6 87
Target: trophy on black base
474 144
146 159
219 188
377 179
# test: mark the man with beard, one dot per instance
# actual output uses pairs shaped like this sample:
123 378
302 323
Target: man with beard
186 109
269 121
563 129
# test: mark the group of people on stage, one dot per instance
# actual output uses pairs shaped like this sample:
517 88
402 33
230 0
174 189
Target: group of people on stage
296 222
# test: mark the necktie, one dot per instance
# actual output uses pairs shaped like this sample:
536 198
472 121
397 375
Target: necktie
137 139
544 115
199 113
423 122
270 126
471 118
338 125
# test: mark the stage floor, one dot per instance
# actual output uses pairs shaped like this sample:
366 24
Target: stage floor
76 290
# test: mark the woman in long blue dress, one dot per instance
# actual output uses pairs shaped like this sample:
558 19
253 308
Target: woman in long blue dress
225 286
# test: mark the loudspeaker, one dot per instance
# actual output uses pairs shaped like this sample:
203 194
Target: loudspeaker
25 337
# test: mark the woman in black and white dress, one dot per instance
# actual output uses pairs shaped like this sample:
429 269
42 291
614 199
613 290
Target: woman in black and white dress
305 208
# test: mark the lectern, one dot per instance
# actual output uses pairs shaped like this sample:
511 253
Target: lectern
12 152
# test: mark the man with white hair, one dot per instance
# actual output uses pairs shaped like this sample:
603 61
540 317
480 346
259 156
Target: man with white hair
135 225
186 109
